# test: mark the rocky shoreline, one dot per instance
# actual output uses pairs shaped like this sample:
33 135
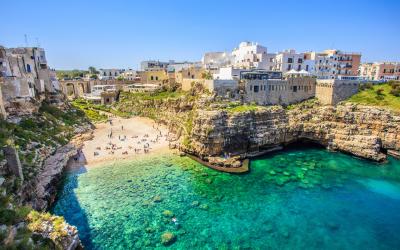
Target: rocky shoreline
45 187
205 128
366 132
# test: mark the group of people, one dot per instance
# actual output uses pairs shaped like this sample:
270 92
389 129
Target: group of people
143 144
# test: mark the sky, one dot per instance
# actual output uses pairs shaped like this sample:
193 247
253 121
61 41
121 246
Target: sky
77 34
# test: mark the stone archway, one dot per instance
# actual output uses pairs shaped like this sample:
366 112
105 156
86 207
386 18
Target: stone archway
70 90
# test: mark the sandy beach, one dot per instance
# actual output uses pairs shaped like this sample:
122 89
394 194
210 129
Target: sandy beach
122 139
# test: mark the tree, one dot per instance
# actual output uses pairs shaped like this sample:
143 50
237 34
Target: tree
94 76
92 70
206 75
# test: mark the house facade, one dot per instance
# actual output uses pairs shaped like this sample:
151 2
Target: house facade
380 71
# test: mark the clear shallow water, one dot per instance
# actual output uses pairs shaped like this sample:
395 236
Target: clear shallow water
295 199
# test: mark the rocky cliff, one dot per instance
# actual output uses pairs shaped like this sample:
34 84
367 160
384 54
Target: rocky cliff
46 183
366 132
42 144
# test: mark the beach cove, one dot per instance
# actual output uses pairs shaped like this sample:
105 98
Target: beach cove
119 139
301 197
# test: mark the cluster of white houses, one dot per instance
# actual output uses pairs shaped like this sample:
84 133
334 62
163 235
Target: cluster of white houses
248 72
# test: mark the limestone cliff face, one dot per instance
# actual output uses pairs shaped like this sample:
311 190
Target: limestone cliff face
363 131
46 183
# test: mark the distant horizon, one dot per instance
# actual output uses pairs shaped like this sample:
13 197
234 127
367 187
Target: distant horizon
121 34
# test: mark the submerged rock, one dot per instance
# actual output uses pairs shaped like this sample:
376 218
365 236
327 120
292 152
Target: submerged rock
204 206
157 198
195 203
168 238
168 213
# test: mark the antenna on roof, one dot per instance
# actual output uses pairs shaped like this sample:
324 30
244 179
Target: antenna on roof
26 40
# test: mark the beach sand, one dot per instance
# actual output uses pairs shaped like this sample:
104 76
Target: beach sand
127 134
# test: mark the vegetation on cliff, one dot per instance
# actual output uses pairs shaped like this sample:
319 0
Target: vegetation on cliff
97 112
35 137
40 133
382 95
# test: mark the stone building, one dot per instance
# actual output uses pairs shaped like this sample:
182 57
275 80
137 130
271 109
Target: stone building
333 91
220 87
265 91
26 79
189 73
153 65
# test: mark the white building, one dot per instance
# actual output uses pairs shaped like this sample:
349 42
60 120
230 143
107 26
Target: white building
108 74
250 55
130 75
215 60
228 73
288 60
331 63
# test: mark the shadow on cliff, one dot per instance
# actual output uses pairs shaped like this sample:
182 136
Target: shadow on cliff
67 205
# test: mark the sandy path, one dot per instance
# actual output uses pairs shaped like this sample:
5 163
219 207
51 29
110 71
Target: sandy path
127 134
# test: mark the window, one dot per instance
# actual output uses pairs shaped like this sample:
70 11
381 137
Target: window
290 60
289 67
300 60
156 78
28 68
299 68
256 88
294 88
306 67
151 78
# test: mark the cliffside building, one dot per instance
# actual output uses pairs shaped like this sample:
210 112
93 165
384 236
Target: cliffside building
265 90
250 55
26 80
380 71
213 61
330 64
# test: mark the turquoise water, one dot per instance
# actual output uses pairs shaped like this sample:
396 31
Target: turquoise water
295 199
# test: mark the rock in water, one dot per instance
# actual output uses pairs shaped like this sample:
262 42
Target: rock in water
167 238
168 213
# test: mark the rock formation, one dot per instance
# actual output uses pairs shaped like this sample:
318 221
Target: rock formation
46 184
366 132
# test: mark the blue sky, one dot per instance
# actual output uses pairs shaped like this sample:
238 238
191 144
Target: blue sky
120 34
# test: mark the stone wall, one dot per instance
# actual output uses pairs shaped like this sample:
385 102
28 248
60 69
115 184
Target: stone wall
291 90
333 91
